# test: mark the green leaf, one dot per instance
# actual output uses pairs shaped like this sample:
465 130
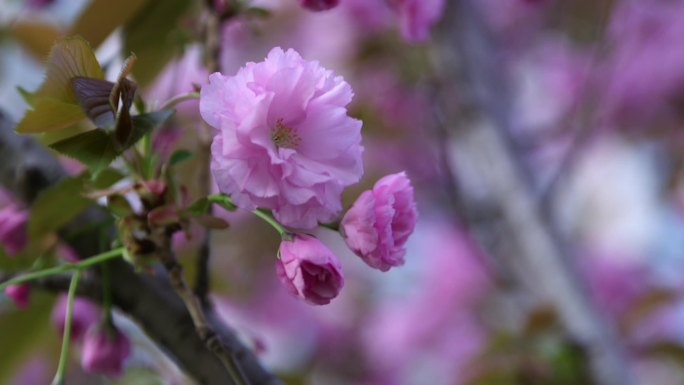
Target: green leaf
106 178
198 207
70 57
57 205
154 36
48 115
179 156
119 205
102 17
55 105
96 149
144 123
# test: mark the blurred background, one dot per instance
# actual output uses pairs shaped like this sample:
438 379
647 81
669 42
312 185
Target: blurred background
543 138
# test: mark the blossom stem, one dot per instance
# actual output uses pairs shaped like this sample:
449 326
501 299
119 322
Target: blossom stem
179 99
271 221
334 226
65 268
227 203
66 338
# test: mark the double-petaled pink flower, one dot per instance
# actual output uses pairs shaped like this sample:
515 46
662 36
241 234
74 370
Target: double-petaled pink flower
309 269
284 139
379 223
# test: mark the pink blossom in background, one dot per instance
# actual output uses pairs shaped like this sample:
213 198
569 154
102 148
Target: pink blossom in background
645 72
369 15
514 20
379 223
34 371
417 17
179 77
614 282
309 270
13 222
430 323
85 314
105 351
319 5
19 294
284 140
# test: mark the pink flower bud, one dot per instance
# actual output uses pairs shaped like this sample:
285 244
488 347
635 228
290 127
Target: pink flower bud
19 294
309 269
319 5
84 315
104 351
13 228
379 223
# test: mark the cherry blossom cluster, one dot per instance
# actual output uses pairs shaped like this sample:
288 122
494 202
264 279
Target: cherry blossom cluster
284 143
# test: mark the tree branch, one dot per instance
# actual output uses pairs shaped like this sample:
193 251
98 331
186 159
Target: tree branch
543 257
26 169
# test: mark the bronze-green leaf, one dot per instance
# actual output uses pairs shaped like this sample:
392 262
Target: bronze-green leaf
48 114
70 57
96 149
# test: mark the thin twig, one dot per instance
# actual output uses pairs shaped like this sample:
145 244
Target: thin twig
212 45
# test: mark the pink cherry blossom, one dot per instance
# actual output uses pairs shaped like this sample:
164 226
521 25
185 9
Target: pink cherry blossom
84 315
284 139
19 294
416 17
13 228
309 269
379 223
104 351
319 5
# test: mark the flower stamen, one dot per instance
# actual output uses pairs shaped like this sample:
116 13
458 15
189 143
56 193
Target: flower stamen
284 136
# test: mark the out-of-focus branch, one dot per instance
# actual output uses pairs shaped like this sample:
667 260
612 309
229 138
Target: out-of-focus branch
25 169
543 258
